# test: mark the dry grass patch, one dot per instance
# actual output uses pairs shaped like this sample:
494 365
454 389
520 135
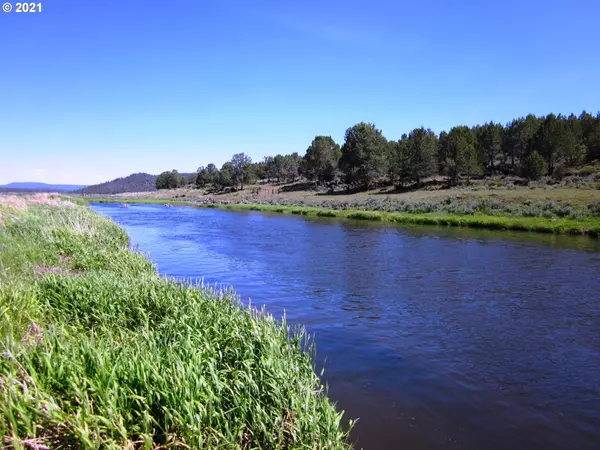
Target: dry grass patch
43 270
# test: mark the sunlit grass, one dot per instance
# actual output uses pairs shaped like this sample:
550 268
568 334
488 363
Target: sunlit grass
364 215
588 226
107 354
327 213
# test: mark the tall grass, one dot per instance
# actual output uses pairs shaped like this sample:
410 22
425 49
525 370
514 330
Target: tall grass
107 354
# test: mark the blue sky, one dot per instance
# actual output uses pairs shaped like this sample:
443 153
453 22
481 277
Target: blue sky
92 90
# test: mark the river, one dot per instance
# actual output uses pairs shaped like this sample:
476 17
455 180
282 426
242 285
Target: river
435 338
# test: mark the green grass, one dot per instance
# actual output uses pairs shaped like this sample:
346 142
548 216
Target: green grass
587 226
99 351
364 215
327 213
536 224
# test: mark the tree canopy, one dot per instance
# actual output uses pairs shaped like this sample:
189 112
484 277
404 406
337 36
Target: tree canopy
321 159
531 146
242 170
170 180
364 154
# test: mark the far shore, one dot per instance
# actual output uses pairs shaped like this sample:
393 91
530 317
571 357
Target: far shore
557 210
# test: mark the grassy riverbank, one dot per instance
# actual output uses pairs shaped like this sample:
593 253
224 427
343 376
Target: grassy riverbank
98 351
579 225
537 224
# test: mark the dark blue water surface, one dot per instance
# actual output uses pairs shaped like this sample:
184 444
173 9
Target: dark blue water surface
434 338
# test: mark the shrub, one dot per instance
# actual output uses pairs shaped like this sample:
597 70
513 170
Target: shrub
546 215
565 211
594 208
586 171
364 215
497 183
327 213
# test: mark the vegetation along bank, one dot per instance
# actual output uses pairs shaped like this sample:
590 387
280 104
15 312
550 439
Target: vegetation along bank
99 351
534 216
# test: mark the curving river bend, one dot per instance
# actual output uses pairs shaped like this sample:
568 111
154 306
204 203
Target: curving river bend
435 338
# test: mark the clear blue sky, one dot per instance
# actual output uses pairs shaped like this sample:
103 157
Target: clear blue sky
91 90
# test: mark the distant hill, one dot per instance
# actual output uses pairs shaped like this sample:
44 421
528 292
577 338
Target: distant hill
137 182
42 187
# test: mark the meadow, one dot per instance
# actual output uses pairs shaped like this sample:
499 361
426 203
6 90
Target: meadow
99 351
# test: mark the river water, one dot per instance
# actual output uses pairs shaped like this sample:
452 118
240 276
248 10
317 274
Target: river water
434 338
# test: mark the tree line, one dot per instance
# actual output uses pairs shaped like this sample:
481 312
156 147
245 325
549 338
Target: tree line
531 147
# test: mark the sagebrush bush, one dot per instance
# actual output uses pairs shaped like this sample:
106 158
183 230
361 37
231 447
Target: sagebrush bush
594 208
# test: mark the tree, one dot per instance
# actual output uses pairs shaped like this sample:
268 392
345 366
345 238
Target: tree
259 170
576 128
279 167
224 177
205 175
400 161
413 157
489 140
241 169
364 154
554 141
192 179
579 149
590 134
321 159
518 139
211 169
442 152
291 167
270 168
535 167
423 152
576 155
283 168
571 152
472 162
461 156
169 180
